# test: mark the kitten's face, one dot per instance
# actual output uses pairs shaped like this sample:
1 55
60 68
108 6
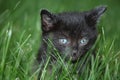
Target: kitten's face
72 34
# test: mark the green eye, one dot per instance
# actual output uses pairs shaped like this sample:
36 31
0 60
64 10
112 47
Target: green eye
63 41
84 41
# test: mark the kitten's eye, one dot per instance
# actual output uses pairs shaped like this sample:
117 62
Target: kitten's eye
63 41
84 41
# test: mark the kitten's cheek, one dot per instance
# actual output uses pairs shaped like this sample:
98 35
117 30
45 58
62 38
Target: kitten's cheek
61 49
82 52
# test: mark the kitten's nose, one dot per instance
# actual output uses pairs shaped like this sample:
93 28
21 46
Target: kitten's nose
74 53
74 56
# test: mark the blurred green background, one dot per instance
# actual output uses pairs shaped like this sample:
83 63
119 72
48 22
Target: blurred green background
22 19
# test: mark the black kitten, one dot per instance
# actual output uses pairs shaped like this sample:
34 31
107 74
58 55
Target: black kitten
71 33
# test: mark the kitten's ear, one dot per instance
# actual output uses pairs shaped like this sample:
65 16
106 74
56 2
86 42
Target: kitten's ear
93 16
47 20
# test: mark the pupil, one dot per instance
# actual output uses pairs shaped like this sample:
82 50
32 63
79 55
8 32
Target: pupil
83 41
64 41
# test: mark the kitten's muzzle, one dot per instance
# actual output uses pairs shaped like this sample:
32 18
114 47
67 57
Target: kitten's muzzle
74 56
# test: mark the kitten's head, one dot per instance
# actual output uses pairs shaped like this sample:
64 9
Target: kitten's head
72 33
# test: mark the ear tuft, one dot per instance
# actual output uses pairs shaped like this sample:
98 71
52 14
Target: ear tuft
93 16
44 11
100 10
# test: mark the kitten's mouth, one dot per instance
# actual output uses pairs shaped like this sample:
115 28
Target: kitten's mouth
73 59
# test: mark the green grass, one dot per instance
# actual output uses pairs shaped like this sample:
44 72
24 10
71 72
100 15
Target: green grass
20 35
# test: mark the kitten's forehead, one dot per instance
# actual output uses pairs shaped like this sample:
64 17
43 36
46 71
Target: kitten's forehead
72 22
71 18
